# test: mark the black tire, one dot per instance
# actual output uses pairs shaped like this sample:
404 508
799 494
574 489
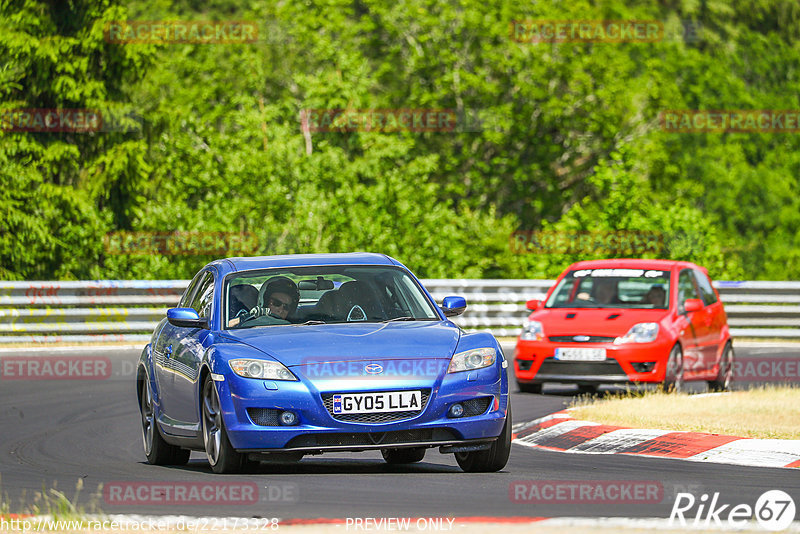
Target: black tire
587 389
158 451
529 388
403 456
673 379
220 453
725 374
493 459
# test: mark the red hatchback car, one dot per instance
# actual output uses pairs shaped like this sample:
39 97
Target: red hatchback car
622 321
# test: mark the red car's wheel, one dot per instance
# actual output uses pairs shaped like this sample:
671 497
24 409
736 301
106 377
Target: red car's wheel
529 388
725 373
673 380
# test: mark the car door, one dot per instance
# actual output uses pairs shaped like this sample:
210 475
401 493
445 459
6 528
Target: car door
162 355
190 346
712 318
691 332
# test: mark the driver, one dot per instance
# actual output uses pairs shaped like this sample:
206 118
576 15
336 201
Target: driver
605 291
281 297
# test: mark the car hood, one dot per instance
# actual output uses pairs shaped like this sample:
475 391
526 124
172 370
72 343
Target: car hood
594 322
303 344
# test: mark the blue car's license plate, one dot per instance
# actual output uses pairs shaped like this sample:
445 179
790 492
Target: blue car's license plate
389 401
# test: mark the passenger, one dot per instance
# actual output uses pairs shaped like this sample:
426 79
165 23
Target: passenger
242 299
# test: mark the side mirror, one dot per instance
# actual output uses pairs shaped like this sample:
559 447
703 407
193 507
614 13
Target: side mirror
452 306
534 304
692 305
186 317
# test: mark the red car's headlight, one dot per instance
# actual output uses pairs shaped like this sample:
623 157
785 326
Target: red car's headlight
532 331
639 333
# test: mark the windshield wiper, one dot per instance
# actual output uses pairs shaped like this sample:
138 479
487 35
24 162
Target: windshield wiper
404 318
311 322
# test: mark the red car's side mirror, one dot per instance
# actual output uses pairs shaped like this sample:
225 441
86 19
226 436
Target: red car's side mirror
534 304
693 305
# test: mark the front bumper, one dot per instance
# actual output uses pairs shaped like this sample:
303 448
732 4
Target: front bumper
318 431
535 363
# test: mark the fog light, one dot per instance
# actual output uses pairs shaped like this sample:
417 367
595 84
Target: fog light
525 365
643 367
456 410
288 418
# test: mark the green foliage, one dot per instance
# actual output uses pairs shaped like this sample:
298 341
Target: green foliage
207 137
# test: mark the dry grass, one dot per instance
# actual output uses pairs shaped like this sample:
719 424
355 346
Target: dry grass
768 412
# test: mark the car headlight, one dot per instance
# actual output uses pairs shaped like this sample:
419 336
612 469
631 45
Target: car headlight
532 331
263 369
472 359
639 333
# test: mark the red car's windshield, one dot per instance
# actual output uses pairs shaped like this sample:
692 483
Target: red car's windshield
612 288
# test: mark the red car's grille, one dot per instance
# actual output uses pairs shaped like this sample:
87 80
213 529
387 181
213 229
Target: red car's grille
578 338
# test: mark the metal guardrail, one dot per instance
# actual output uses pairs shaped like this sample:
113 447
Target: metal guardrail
128 310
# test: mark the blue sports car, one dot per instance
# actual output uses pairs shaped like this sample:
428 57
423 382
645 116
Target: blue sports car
274 358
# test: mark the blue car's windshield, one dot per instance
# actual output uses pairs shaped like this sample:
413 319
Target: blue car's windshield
323 294
612 288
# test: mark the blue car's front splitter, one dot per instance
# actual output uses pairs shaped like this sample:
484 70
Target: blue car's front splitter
318 430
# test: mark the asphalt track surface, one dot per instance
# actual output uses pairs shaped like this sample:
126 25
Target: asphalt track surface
56 432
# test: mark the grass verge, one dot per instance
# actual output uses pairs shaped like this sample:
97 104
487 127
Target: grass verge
767 412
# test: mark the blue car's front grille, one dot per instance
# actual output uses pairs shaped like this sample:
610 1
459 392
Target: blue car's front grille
382 417
372 439
264 416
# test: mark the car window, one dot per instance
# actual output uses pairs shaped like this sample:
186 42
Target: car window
187 295
324 295
709 297
612 288
686 288
204 296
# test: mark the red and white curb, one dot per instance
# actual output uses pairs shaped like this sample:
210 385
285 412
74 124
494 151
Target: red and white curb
560 432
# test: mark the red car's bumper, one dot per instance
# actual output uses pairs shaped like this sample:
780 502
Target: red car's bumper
631 362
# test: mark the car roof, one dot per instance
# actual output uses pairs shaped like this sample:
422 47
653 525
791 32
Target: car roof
302 260
630 263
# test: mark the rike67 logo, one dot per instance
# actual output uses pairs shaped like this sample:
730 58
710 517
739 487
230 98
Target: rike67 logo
774 510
